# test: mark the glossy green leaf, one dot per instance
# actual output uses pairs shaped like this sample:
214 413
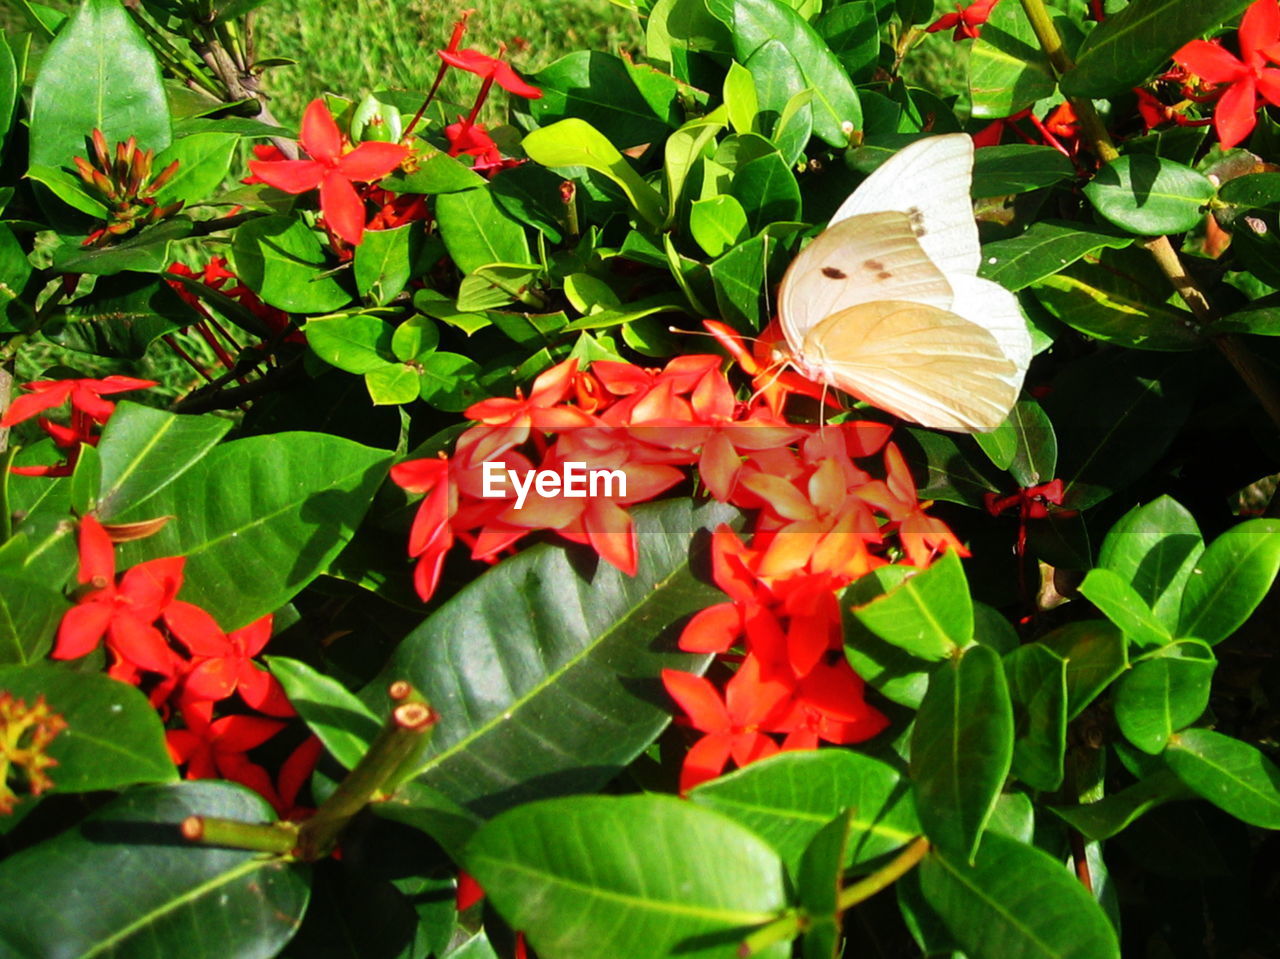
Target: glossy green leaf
393 385
433 813
259 518
1121 604
1007 69
1044 249
1119 298
122 317
1108 816
788 798
337 716
1095 655
448 381
740 98
9 84
1263 321
154 896
1035 458
768 191
678 31
1000 444
384 261
150 251
595 86
591 876
437 172
113 736
684 149
889 669
1038 690
523 664
282 261
945 470
15 271
777 77
69 189
929 615
415 338
98 73
1233 775
755 22
962 749
575 143
717 224
204 160
738 278
1163 693
30 610
853 34
143 450
1017 168
1230 579
359 343
819 881
1150 195
477 232
1132 43
794 127
1154 548
1015 902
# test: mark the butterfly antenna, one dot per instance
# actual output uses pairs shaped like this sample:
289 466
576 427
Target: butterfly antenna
777 369
764 271
822 408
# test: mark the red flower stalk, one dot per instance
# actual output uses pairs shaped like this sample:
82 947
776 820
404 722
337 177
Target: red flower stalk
332 171
1248 78
967 21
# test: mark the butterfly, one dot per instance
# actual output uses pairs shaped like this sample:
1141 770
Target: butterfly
886 303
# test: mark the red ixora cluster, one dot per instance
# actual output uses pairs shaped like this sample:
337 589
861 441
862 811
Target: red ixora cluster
821 521
177 651
89 412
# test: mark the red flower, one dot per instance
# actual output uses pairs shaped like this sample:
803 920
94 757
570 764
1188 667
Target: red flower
490 69
966 20
1247 77
331 170
124 614
264 151
225 662
217 750
85 396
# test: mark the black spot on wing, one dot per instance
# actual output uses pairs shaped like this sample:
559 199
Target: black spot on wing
832 273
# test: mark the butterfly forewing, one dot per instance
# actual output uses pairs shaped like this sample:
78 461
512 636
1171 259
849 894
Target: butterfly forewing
863 259
921 363
929 180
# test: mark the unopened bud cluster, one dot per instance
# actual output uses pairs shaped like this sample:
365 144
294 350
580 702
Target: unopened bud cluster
25 734
122 180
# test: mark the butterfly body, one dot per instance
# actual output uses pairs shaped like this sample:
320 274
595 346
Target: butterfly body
886 303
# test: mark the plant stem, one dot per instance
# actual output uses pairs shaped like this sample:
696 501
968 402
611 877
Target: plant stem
1160 248
401 737
278 837
881 879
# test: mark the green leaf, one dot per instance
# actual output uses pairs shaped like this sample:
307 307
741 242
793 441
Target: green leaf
9 85
1015 902
740 98
795 126
1234 776
1164 693
15 271
1044 249
1007 69
1108 817
437 172
1119 298
154 897
282 261
1154 548
477 232
430 811
755 22
122 317
768 191
738 278
1038 690
204 160
575 143
1095 655
592 876
383 262
259 518
682 152
359 343
1131 44
889 669
1035 458
1262 321
98 73
788 798
1121 604
853 34
69 189
147 252
1017 168
143 450
30 609
777 77
414 338
945 470
819 880
393 384
929 615
343 723
717 224
596 87
514 728
962 749
448 381
113 737
1150 195
1230 579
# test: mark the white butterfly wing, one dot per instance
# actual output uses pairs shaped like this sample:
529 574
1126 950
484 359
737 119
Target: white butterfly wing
996 310
921 363
863 259
929 180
